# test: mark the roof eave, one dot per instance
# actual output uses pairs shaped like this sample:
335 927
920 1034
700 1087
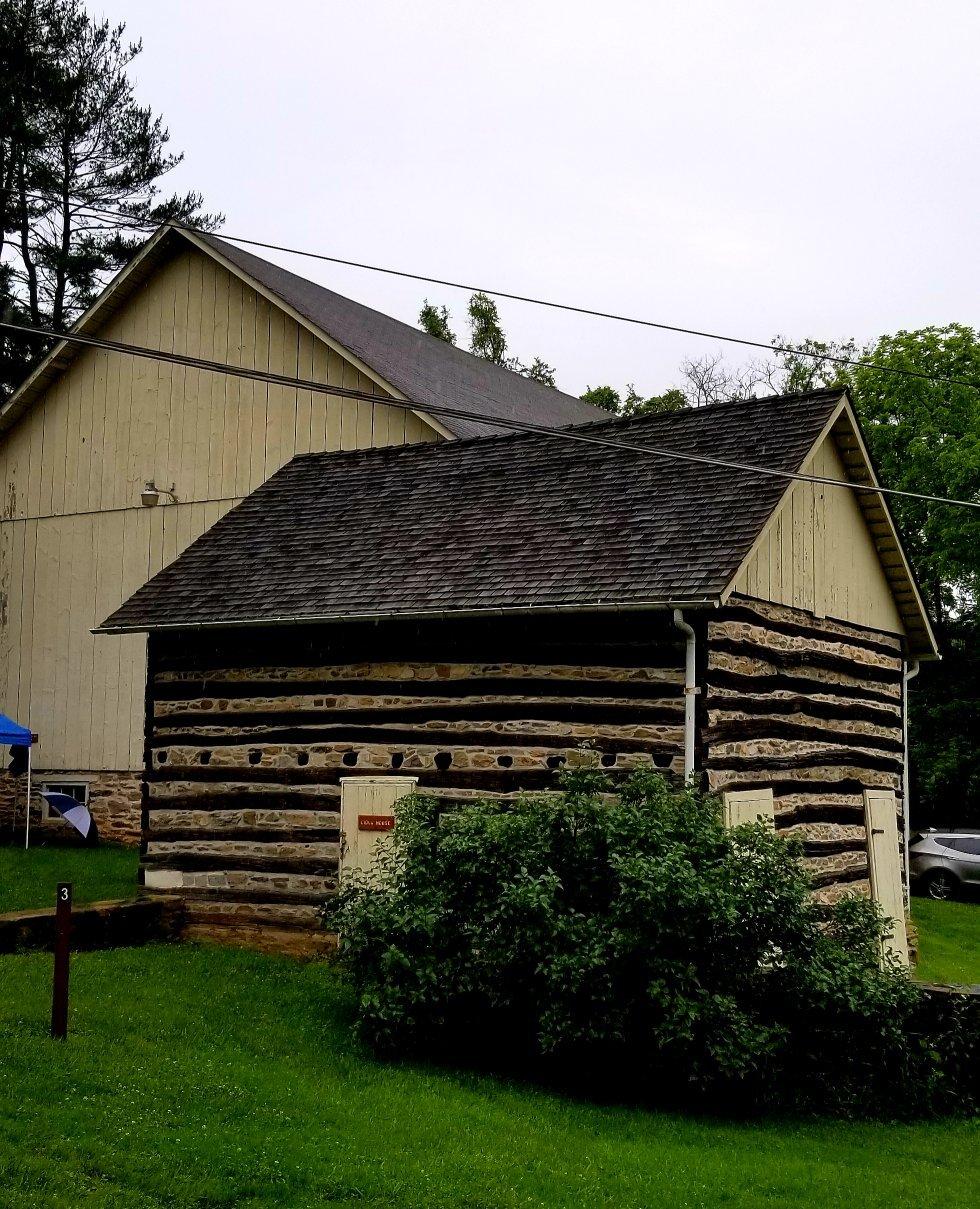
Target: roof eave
874 505
641 606
63 354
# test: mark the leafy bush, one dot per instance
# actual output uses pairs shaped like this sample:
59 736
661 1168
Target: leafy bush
629 937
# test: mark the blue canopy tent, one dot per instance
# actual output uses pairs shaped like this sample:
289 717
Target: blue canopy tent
12 734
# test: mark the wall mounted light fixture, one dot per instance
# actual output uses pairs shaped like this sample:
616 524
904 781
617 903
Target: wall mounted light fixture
150 495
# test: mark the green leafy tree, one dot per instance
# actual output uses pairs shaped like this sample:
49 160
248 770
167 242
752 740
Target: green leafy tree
813 365
606 397
79 157
925 437
538 371
487 338
34 40
632 403
435 321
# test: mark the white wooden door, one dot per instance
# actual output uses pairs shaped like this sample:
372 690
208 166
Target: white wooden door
885 866
367 814
749 806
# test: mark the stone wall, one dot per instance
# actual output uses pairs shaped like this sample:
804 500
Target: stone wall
812 708
102 925
252 732
114 799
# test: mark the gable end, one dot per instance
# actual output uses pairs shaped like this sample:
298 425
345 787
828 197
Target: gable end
835 552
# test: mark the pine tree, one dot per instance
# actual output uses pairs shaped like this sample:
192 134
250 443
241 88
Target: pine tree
80 161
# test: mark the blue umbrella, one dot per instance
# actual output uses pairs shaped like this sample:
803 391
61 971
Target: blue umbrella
17 736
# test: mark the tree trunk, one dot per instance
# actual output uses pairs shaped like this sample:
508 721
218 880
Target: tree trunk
25 250
61 267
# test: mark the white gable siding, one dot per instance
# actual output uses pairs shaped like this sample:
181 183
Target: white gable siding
817 554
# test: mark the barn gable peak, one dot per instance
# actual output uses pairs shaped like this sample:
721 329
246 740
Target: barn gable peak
405 362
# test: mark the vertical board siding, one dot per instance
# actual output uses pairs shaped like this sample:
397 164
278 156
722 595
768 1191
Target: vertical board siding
74 540
251 736
813 709
818 555
372 796
885 867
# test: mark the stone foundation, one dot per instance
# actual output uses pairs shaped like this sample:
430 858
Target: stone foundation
113 799
103 925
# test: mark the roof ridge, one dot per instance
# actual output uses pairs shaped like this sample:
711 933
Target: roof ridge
718 404
686 413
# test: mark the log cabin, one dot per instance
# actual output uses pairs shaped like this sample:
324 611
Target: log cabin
110 466
463 618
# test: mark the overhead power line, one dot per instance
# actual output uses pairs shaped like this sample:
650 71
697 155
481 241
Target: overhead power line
125 222
524 426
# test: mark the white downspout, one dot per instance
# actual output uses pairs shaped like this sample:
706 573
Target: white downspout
911 671
690 692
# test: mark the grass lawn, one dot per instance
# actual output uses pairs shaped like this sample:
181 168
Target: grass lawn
206 1077
949 940
28 877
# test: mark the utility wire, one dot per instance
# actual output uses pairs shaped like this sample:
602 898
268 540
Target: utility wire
124 222
524 426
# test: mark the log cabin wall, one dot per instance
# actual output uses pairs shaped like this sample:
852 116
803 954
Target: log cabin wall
249 732
813 708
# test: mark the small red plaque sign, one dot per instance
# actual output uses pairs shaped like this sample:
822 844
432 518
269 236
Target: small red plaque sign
375 822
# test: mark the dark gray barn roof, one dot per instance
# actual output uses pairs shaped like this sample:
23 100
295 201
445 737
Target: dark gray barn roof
424 369
500 523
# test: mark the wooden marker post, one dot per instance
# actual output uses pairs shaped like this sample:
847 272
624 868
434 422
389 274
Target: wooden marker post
62 932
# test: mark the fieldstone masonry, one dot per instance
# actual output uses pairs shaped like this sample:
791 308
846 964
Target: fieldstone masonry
113 799
811 708
251 736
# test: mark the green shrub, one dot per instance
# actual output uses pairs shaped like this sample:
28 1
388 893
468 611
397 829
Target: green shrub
629 937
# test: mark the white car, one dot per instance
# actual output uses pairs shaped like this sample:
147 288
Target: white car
944 864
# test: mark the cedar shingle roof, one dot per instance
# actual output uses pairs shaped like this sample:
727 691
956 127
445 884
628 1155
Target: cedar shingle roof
499 523
424 369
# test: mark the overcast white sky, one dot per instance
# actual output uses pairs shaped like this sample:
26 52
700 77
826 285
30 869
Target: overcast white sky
808 168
